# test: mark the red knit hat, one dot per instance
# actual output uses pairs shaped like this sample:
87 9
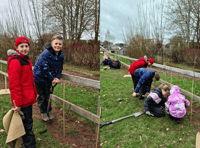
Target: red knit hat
21 40
151 60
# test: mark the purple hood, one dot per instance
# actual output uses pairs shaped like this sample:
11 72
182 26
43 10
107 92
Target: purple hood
176 103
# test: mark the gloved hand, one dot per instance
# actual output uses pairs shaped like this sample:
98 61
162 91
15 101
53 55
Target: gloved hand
148 113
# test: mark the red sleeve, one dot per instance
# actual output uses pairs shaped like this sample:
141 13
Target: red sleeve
140 64
14 74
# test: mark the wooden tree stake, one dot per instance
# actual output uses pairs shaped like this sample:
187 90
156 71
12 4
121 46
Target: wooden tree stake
63 110
191 100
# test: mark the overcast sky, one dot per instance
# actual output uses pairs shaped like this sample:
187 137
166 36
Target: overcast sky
115 16
4 5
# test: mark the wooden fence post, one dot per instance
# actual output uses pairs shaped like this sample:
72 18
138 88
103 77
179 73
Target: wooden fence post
98 125
5 82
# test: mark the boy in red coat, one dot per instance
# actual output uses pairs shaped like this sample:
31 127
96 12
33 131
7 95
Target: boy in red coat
143 62
21 85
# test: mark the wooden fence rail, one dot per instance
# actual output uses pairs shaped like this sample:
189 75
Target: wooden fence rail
80 80
182 71
197 98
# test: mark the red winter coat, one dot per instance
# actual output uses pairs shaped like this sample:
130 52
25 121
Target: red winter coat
21 82
137 64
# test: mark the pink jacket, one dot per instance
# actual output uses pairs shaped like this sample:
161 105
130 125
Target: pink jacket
176 103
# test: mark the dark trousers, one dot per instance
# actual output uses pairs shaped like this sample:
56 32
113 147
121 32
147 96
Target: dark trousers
44 94
29 137
157 112
174 118
142 90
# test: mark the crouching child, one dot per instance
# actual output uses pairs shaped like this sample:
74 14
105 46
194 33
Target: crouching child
47 71
176 104
155 102
21 85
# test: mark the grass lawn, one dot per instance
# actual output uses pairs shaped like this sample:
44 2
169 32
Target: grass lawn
43 140
82 70
143 131
83 97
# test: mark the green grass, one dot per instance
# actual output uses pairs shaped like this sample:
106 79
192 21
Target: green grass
4 67
143 131
46 138
83 70
80 96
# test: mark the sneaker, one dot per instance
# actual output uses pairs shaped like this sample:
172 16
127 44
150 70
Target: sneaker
51 116
44 116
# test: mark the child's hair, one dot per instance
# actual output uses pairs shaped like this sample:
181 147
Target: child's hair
108 58
56 37
157 76
165 87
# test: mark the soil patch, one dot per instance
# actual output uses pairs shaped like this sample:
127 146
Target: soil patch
195 116
78 133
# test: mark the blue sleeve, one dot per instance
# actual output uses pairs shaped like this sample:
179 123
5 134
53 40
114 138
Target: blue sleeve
43 65
58 75
141 81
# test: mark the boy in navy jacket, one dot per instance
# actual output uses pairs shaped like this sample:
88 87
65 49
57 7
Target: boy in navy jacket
47 70
143 80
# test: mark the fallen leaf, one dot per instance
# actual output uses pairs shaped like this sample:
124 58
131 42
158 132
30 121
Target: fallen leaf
61 109
1 130
105 141
189 131
39 139
167 129
180 139
101 144
74 145
105 109
120 102
174 141
103 119
104 95
4 112
2 109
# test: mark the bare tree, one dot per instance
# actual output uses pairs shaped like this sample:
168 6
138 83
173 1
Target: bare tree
183 18
144 34
73 16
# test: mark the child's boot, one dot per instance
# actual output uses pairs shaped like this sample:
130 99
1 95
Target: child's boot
44 116
51 116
